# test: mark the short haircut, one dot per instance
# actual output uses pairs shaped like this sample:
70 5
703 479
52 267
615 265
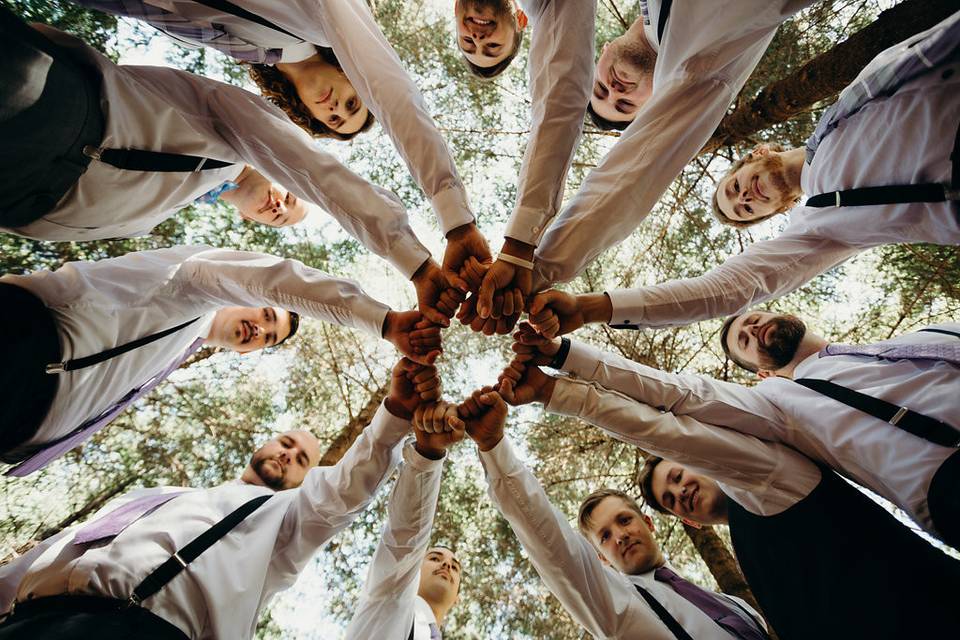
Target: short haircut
491 72
591 501
724 332
294 325
278 89
645 480
715 202
603 124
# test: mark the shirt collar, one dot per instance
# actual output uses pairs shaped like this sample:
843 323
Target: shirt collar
423 612
804 364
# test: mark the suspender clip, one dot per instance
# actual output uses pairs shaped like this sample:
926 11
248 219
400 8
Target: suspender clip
200 164
133 601
902 411
951 194
837 194
91 151
56 367
176 556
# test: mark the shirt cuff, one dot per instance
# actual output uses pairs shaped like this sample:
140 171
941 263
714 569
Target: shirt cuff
569 397
369 315
527 225
582 361
452 209
407 257
421 463
626 309
501 460
388 428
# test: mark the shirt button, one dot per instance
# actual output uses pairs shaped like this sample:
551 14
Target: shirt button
536 229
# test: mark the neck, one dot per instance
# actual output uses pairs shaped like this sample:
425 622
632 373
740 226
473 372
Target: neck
810 345
295 70
439 610
793 161
232 196
249 476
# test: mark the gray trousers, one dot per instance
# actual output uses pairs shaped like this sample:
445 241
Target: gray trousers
49 109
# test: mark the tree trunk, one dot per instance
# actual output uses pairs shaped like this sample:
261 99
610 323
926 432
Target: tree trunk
343 440
722 565
827 74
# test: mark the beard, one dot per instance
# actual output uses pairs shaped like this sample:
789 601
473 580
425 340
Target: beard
275 482
788 332
638 55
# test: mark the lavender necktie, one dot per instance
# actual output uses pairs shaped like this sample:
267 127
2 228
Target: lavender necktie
947 352
711 605
119 519
57 448
435 632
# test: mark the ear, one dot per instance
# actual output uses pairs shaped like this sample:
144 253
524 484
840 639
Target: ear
765 373
761 149
691 523
521 20
603 560
648 521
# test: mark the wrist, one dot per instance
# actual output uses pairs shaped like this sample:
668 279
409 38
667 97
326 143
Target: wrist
388 322
396 408
423 270
485 444
595 307
518 249
458 232
547 391
429 452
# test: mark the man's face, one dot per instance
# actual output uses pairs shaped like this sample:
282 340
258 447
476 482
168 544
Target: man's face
688 494
262 201
624 537
766 340
330 97
485 30
440 577
245 329
759 188
283 462
623 80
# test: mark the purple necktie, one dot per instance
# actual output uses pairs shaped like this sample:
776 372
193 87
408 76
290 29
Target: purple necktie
947 352
56 449
435 632
119 519
711 605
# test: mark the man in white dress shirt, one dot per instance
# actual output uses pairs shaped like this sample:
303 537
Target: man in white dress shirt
65 367
410 588
915 122
797 529
77 582
701 55
612 579
167 118
891 426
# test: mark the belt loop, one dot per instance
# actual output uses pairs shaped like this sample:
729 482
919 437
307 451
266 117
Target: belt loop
837 194
902 411
950 194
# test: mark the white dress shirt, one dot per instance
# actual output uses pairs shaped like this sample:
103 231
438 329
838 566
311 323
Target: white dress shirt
818 239
374 70
602 600
885 459
158 108
389 605
708 51
765 478
220 594
561 72
99 305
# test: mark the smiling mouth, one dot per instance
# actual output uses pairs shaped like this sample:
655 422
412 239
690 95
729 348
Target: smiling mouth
326 96
629 547
444 575
757 190
765 333
480 22
246 331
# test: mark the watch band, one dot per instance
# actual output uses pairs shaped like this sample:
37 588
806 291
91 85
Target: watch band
561 355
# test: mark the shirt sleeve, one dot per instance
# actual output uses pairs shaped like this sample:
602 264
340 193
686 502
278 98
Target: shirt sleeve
765 270
266 139
387 601
599 600
708 53
384 86
765 478
331 498
229 277
728 404
560 72
13 572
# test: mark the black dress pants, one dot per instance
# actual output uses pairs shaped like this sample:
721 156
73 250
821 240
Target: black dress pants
943 500
31 343
49 110
85 618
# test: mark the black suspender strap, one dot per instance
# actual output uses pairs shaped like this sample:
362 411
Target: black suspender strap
97 358
914 423
896 194
662 19
158 161
945 332
167 571
671 623
412 629
240 12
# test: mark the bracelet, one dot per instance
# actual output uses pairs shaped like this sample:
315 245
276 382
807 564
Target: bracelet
561 355
520 262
